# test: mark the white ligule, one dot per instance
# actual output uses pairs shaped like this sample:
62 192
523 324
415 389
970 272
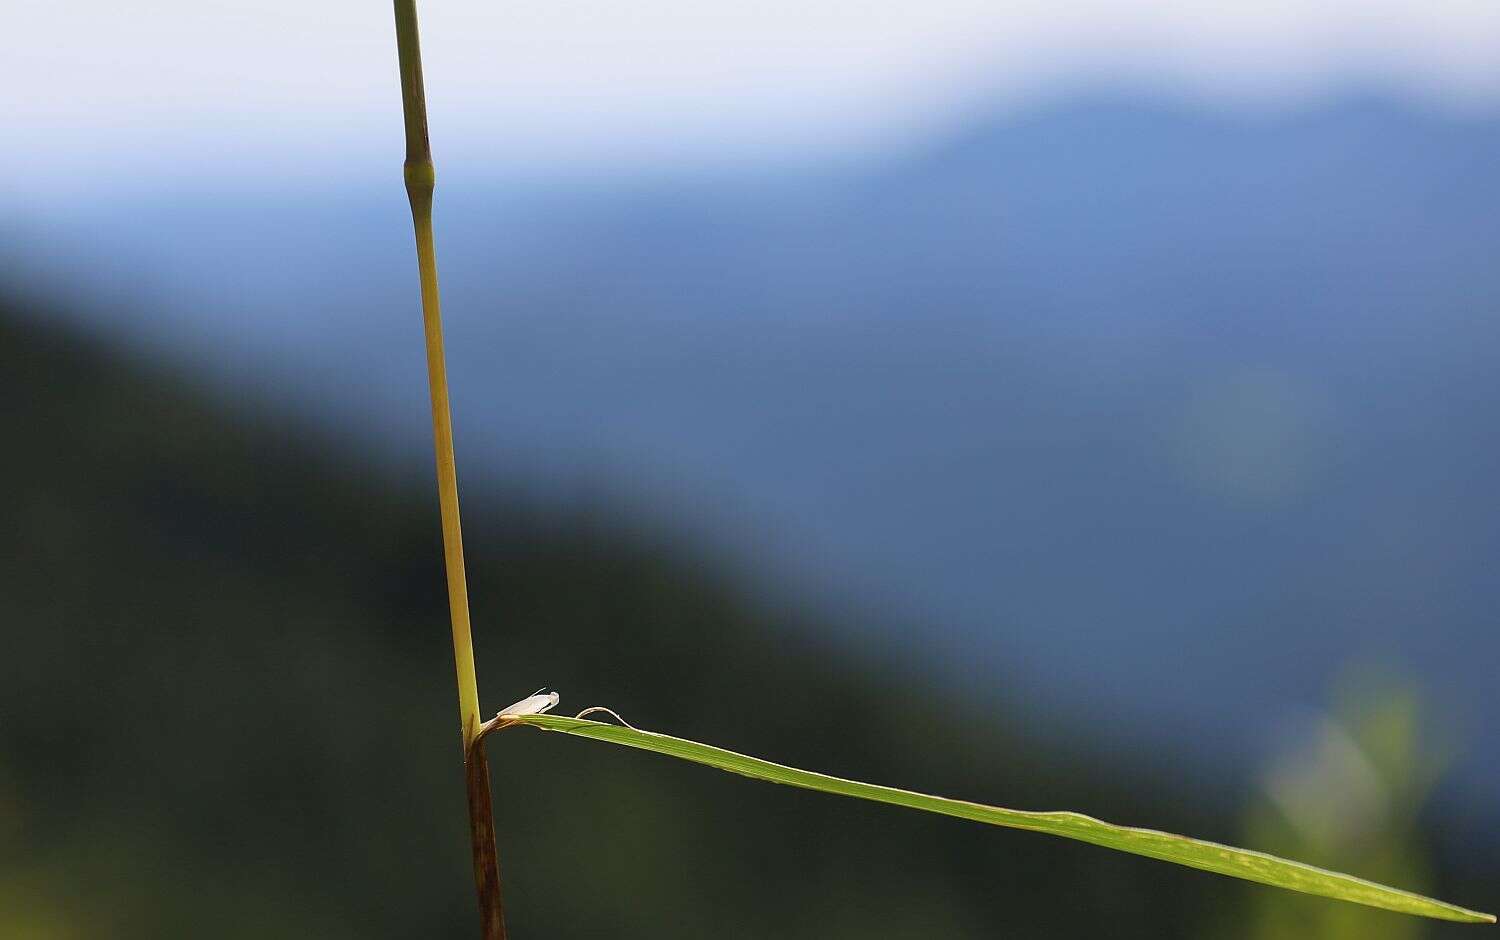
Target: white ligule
542 701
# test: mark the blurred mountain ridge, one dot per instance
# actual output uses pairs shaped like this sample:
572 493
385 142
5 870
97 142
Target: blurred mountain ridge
1103 390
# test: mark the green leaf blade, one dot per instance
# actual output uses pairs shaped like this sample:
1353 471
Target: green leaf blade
1164 846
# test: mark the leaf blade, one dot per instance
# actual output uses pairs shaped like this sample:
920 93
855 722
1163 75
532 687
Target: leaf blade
1182 850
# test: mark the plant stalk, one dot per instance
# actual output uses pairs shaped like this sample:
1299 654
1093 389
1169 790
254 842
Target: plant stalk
420 181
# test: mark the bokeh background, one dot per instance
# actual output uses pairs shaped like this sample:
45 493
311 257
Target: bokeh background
1083 406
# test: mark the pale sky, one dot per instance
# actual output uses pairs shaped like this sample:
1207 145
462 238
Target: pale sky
90 90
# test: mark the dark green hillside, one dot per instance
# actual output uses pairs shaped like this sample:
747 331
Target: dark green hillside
226 710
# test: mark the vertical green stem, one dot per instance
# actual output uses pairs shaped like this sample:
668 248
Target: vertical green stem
420 181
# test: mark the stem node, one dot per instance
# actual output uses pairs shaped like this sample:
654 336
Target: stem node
421 177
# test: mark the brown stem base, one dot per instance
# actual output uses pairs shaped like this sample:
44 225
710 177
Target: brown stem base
482 843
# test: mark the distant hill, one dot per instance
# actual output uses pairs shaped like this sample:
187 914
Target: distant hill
1102 393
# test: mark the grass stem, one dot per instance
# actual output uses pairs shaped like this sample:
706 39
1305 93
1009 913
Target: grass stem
420 182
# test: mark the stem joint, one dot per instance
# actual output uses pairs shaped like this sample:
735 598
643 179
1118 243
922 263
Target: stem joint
421 177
